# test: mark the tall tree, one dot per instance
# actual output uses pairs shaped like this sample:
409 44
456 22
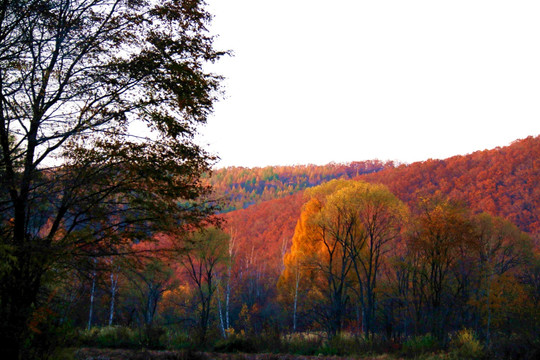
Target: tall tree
344 229
151 279
330 260
440 230
499 249
76 78
202 256
365 218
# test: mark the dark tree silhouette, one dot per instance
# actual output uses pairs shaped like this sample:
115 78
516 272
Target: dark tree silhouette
76 77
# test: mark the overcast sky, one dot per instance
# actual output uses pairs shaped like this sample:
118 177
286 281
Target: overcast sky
319 81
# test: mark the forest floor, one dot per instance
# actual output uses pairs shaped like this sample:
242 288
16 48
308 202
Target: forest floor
119 354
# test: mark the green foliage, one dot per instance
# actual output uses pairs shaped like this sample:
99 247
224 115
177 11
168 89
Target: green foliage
304 344
176 339
267 341
97 70
434 356
111 337
243 187
463 345
6 258
122 337
153 337
46 336
342 344
345 344
64 354
418 345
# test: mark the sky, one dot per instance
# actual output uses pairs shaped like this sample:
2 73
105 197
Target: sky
313 81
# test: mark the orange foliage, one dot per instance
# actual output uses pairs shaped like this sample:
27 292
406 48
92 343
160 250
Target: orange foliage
262 232
502 181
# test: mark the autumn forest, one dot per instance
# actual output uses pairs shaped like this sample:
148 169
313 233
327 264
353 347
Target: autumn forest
121 238
411 257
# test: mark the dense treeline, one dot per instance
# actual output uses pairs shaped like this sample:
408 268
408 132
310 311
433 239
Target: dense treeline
109 238
360 260
364 271
502 181
264 226
243 187
360 265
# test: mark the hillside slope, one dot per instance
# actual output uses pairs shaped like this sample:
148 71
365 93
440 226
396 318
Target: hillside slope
502 181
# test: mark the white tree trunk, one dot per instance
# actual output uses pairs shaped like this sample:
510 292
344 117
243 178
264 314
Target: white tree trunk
114 288
92 292
220 311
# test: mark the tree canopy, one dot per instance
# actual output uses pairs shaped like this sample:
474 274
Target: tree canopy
99 103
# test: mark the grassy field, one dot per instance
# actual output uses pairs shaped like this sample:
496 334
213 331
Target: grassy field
117 354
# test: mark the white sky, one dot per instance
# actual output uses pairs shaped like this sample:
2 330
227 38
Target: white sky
315 81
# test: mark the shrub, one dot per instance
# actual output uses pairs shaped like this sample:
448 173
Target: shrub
43 342
236 342
302 343
465 345
153 337
341 344
110 337
177 340
418 345
344 344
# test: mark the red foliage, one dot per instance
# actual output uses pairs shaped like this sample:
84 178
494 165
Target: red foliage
263 232
502 181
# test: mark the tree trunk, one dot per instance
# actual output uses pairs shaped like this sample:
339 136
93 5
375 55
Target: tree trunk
297 284
227 298
220 312
114 288
90 312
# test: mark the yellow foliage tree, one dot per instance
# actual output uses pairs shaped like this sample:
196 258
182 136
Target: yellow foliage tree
338 246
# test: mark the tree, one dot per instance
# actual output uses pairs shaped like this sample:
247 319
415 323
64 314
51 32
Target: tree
204 252
365 218
330 259
76 77
296 282
500 249
440 230
150 280
342 235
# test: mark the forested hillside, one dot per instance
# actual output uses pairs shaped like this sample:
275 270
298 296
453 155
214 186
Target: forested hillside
280 265
116 237
501 181
263 232
241 187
